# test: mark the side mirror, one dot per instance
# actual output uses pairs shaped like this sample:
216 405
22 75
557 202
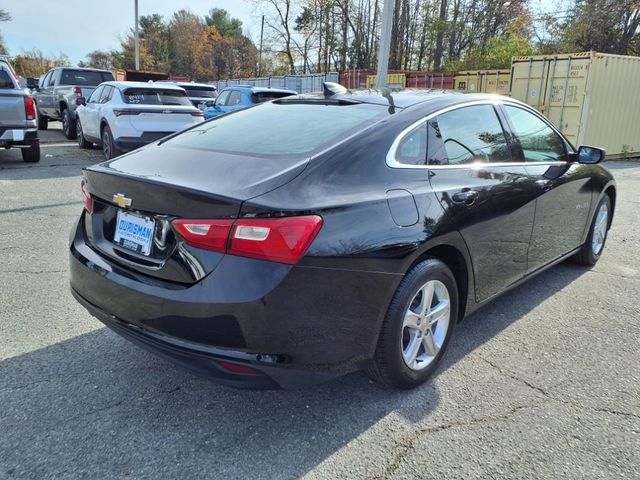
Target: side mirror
590 155
81 101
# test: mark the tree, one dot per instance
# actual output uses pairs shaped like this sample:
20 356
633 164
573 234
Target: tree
98 59
279 21
226 25
4 17
34 63
185 28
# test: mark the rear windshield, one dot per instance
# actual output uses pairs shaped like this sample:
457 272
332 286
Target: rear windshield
203 92
5 79
150 96
273 129
260 97
84 77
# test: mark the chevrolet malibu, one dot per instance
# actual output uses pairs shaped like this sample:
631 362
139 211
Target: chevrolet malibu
312 236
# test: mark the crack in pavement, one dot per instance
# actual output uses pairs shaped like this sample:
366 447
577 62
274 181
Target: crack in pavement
548 395
407 443
35 272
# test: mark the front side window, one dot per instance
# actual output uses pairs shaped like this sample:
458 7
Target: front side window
222 99
151 96
96 95
467 135
539 142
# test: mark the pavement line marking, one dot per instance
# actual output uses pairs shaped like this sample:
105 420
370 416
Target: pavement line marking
65 144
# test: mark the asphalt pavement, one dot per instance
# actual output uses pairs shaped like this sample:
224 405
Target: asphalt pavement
542 383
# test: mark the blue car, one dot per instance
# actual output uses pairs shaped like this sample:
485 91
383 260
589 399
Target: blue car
242 96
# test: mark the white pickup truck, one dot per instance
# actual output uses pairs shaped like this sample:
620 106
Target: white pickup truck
17 115
59 91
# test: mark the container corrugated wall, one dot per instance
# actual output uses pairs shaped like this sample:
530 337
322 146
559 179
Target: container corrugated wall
592 98
483 81
299 83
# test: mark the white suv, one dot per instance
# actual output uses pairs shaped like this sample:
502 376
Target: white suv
122 116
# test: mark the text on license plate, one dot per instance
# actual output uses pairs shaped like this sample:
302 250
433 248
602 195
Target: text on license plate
134 232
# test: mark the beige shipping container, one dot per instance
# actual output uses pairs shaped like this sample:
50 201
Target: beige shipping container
483 81
592 98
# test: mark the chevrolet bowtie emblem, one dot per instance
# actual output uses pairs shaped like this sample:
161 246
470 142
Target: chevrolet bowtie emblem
122 201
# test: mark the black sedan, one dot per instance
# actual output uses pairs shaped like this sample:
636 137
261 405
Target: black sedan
312 236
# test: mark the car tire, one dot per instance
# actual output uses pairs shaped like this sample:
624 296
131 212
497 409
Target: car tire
82 142
43 122
31 154
108 148
591 250
68 125
394 364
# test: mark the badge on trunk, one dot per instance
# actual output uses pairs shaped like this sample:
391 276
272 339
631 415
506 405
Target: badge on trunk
122 201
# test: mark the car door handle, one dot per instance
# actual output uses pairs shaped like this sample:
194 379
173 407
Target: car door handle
466 196
544 185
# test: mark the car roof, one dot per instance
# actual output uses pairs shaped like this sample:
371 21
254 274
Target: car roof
121 85
82 69
406 98
260 89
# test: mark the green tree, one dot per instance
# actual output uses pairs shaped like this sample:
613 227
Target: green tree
226 25
97 59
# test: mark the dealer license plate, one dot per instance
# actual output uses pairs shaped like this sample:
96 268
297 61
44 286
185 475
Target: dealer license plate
134 232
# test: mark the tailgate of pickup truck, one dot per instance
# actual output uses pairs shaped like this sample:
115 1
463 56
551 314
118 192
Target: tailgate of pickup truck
12 112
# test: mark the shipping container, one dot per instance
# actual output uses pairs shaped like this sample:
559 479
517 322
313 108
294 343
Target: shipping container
394 80
483 81
592 98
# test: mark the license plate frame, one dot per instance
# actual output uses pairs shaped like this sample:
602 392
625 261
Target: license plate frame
134 232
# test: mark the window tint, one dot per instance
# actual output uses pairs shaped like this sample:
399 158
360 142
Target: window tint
95 96
202 92
106 94
260 97
52 79
280 129
150 96
45 80
5 79
222 99
467 135
412 149
234 98
84 77
538 140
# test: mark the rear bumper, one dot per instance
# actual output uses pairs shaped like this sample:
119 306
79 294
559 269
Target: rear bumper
127 144
295 325
18 137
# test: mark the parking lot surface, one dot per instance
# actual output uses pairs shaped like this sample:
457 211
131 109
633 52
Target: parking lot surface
542 383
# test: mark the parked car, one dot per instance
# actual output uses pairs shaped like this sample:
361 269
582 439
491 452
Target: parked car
122 116
17 115
316 235
201 95
59 91
241 96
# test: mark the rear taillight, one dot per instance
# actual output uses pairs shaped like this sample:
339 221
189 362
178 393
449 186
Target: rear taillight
86 197
77 91
283 239
29 108
238 369
119 112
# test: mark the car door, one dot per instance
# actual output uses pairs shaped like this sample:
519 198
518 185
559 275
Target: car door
45 97
486 196
563 195
89 116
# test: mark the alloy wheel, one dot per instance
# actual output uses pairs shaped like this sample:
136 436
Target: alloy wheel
600 229
425 325
106 144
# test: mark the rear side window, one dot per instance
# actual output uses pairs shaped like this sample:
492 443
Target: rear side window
412 149
84 77
467 135
5 79
259 97
150 96
234 98
539 142
274 129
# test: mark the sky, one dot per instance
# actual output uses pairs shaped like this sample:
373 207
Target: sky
76 27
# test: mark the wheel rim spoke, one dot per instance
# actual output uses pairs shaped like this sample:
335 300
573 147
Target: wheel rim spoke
439 311
411 352
429 343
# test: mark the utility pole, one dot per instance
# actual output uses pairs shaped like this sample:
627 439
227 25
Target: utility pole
260 51
137 39
385 43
